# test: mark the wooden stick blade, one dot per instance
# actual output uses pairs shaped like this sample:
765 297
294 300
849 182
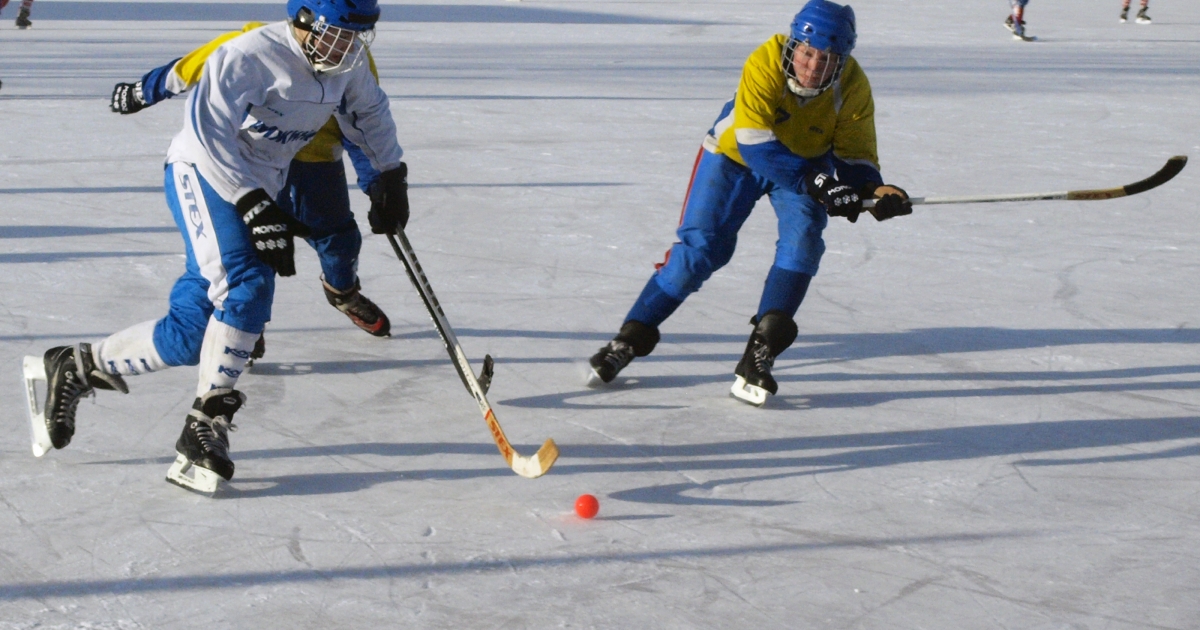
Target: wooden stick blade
537 464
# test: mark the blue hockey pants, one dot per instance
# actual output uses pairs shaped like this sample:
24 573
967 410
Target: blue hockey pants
223 276
720 199
315 194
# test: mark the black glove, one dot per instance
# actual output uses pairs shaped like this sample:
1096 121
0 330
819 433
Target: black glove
127 98
389 201
891 205
271 231
839 199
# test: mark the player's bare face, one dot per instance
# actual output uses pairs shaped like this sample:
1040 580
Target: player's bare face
813 67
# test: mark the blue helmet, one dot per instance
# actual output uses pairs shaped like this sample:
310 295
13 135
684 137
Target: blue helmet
825 26
354 15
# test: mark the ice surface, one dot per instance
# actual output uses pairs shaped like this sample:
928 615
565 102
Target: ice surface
990 419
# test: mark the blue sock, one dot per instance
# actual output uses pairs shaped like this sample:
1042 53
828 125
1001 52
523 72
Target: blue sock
784 291
653 306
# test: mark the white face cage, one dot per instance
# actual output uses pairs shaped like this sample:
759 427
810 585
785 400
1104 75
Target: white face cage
333 50
810 71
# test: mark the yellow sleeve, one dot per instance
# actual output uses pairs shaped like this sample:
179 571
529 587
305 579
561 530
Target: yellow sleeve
761 88
756 104
854 135
188 70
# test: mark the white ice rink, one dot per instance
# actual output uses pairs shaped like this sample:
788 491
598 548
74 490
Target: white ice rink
991 418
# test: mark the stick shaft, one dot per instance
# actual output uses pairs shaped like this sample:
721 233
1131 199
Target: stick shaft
1164 175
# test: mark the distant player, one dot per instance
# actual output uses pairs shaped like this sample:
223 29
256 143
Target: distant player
262 97
800 130
1015 22
1142 16
314 194
22 15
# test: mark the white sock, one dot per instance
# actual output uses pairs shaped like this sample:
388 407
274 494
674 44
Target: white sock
223 356
130 351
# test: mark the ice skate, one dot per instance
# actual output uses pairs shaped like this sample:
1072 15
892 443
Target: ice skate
1142 16
66 383
362 311
634 340
203 448
1017 27
1125 15
23 19
753 382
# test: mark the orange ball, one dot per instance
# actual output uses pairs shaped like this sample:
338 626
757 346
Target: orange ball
586 506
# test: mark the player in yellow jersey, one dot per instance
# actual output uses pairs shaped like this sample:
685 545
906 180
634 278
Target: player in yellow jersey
800 130
315 192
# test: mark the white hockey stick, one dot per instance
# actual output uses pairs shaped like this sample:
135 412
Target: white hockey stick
1164 175
530 467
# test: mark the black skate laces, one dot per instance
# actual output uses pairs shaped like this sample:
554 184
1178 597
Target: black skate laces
77 388
763 360
213 434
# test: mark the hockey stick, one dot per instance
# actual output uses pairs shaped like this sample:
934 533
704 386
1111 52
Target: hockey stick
1164 175
530 467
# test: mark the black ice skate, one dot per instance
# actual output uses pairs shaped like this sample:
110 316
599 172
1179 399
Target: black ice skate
774 334
1124 15
67 381
1010 25
359 309
23 19
634 340
203 447
1018 32
1142 17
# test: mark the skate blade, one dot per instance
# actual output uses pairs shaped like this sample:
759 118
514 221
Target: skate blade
200 480
745 392
35 371
593 379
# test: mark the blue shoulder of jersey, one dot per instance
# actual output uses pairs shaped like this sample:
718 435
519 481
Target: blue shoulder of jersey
154 83
367 175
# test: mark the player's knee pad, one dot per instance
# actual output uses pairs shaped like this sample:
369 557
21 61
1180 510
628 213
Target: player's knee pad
641 337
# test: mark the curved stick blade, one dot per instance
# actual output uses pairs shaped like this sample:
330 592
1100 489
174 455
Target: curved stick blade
1164 175
535 465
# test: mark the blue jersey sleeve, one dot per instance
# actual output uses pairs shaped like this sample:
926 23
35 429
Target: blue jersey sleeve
154 83
777 163
367 175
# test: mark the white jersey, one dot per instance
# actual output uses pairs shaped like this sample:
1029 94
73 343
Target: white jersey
259 102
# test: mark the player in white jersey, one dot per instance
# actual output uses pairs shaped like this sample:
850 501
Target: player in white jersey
315 193
262 97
